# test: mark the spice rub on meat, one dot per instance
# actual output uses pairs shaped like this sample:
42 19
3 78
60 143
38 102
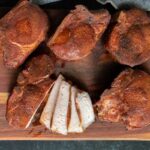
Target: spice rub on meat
22 29
78 33
128 100
129 40
33 85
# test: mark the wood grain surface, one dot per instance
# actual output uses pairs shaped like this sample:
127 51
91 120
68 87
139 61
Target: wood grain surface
94 74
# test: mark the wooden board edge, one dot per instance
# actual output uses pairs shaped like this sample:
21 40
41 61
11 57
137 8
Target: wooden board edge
71 139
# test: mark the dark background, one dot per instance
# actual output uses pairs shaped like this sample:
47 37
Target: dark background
71 145
61 4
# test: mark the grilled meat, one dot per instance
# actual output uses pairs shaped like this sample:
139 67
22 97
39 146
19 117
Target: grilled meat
22 29
128 100
78 33
24 103
36 70
129 40
33 85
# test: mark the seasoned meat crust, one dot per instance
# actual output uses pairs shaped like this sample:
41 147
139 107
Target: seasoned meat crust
37 69
22 29
128 100
129 40
24 103
78 33
33 85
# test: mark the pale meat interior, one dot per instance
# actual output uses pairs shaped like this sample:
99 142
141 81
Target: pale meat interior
74 124
86 109
67 110
59 123
46 116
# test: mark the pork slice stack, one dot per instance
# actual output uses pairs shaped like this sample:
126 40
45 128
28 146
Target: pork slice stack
68 109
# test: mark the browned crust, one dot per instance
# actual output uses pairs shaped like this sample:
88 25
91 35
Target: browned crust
24 102
78 33
33 85
22 30
129 40
128 100
37 69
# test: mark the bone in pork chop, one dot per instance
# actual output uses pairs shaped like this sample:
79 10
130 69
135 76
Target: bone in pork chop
24 103
127 100
78 33
22 29
32 88
129 40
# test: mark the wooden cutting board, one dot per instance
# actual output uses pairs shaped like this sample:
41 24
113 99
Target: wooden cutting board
93 73
97 131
